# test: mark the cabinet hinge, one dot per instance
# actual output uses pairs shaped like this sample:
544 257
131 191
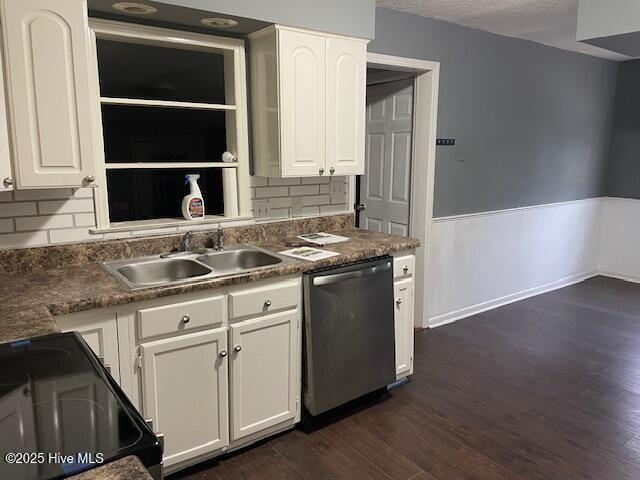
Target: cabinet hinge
139 361
297 401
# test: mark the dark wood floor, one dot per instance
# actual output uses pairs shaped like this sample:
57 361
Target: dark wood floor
546 388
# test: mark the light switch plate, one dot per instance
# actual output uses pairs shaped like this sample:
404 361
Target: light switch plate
261 210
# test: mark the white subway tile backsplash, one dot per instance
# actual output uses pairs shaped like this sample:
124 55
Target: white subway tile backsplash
17 209
259 181
6 196
84 219
315 180
6 225
72 235
316 200
71 205
280 202
83 193
46 194
43 222
28 239
304 190
53 216
275 182
266 192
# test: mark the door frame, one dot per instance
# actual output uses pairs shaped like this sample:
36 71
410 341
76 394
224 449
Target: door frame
423 155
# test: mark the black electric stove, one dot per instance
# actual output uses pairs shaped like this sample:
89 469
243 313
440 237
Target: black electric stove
61 412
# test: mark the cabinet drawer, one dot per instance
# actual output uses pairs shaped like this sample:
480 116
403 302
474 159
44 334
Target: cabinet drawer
256 301
404 266
178 317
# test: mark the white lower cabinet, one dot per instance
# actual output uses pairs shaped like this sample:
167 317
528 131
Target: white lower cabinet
263 372
184 392
403 294
100 331
403 286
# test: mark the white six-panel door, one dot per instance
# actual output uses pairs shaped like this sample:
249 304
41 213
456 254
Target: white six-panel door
385 186
263 374
185 392
302 91
346 83
48 91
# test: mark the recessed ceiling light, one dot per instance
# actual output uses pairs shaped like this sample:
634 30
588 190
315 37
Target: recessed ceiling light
219 22
134 8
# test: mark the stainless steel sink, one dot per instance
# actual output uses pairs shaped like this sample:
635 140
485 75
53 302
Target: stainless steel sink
162 271
189 266
238 260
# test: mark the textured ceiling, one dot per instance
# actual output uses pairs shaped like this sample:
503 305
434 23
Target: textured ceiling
550 22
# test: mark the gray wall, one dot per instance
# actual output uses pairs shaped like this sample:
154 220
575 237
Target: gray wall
532 123
350 17
624 168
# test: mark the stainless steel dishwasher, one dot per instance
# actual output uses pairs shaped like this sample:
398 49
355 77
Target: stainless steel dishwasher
349 347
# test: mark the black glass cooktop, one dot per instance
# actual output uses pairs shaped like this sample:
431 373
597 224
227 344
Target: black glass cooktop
62 413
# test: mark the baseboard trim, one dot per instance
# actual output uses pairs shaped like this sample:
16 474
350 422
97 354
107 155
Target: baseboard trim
621 276
465 312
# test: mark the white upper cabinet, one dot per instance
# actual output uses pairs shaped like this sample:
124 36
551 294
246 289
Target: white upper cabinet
346 90
6 175
46 47
308 103
302 103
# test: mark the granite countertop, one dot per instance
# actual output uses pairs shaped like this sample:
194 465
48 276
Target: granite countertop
128 468
31 299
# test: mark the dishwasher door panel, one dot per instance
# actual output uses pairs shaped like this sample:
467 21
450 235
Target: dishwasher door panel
349 333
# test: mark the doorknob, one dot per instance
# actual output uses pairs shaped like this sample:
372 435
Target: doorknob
360 207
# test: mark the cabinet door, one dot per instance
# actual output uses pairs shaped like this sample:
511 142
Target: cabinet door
403 317
185 392
6 176
302 103
101 334
346 90
263 372
48 91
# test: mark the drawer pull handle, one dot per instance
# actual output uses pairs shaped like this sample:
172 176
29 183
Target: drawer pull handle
399 301
405 269
186 319
223 353
237 348
267 303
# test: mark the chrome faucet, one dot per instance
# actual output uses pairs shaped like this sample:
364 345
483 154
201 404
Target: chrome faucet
187 242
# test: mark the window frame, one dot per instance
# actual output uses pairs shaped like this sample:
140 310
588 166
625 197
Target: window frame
235 176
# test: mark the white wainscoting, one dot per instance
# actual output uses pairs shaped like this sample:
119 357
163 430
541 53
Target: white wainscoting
481 261
620 241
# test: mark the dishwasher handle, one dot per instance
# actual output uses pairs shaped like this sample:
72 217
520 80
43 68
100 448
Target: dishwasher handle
340 277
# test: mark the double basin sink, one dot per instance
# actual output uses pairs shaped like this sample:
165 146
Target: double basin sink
189 266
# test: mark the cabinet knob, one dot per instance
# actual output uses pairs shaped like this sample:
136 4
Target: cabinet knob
89 179
405 269
222 354
267 303
186 319
399 301
7 182
321 170
332 171
237 348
